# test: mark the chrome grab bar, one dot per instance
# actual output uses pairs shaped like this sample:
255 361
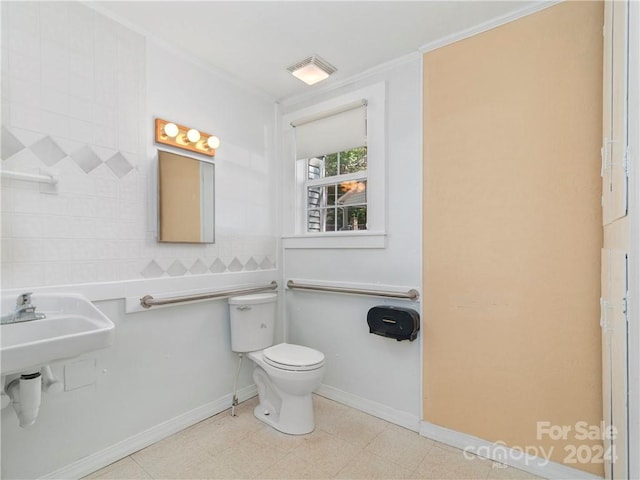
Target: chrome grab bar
148 301
412 294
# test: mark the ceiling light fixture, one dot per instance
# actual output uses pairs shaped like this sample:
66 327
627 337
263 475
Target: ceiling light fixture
312 70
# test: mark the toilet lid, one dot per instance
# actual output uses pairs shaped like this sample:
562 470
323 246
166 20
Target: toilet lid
293 357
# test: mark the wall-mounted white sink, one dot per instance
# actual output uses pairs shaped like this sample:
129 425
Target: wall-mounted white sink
73 325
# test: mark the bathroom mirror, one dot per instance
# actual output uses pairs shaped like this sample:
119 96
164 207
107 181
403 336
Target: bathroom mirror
186 200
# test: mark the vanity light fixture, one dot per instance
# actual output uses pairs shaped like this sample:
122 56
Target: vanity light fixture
187 138
312 70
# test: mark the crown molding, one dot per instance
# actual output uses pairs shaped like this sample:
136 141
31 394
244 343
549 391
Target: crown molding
488 25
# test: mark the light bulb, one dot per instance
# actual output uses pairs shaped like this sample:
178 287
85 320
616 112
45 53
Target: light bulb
193 135
171 130
213 142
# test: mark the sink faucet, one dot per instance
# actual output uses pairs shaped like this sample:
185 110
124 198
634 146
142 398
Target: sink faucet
24 305
24 312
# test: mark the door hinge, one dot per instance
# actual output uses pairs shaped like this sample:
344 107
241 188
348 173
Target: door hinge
626 160
603 157
604 322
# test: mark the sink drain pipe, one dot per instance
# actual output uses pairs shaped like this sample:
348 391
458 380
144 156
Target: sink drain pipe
234 403
26 395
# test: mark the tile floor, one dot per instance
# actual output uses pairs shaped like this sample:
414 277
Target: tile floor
346 444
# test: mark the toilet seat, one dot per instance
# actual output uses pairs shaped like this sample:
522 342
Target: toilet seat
293 357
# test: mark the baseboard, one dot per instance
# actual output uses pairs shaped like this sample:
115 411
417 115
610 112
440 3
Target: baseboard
499 452
398 417
143 439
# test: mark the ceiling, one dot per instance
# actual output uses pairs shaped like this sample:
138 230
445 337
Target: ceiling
256 41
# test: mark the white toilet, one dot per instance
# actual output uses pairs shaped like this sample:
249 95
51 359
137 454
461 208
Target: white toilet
285 374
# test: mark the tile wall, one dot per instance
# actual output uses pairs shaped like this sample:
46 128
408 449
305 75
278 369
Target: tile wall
74 105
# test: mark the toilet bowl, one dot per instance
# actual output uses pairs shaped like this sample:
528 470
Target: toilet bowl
285 374
285 384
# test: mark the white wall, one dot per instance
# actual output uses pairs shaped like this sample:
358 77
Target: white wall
168 367
375 373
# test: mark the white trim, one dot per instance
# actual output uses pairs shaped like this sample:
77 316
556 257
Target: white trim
422 238
397 417
295 225
487 25
155 286
339 178
634 252
362 239
498 452
126 447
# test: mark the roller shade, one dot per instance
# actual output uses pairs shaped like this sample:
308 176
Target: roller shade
333 131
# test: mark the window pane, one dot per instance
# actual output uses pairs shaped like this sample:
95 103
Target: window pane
357 218
330 220
340 163
354 160
352 193
331 194
331 165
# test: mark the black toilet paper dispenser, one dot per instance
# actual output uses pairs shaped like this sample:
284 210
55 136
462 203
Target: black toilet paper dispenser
394 322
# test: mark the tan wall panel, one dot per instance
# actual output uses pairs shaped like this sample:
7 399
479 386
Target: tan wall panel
512 228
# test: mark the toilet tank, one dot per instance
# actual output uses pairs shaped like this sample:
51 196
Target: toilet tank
253 319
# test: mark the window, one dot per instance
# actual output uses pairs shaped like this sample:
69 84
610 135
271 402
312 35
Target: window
338 183
337 191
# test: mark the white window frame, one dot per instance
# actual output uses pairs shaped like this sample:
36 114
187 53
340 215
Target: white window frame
295 179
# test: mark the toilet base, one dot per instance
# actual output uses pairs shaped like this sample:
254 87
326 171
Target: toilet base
286 402
298 418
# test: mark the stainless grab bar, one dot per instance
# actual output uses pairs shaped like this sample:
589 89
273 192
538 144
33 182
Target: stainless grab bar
148 301
412 294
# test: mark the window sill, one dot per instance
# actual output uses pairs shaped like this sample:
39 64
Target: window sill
364 239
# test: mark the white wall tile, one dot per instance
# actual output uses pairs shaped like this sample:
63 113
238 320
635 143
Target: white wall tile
54 55
81 130
54 24
6 250
81 87
24 42
27 274
81 109
57 273
79 78
56 77
54 101
22 66
26 116
55 124
25 91
26 226
20 200
23 14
